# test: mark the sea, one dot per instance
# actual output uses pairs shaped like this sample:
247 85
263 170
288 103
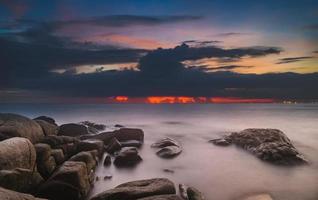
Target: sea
220 173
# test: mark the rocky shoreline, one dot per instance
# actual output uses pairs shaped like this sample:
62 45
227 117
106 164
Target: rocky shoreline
42 160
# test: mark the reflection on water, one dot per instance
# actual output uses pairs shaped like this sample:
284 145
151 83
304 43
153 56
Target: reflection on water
221 173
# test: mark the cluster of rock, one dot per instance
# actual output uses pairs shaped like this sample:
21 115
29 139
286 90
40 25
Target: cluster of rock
39 157
149 189
168 148
270 145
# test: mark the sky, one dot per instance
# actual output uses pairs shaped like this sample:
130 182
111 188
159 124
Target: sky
79 50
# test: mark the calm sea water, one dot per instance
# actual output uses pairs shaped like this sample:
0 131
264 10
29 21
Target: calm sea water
221 173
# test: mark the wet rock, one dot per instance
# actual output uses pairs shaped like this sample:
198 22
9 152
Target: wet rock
259 197
108 160
87 158
6 194
270 145
194 194
95 126
131 143
221 142
119 126
106 137
168 171
162 197
58 156
183 191
73 130
91 144
108 177
128 157
70 181
45 162
125 134
138 189
17 153
54 141
47 128
164 143
169 152
47 119
13 125
20 180
113 146
4 136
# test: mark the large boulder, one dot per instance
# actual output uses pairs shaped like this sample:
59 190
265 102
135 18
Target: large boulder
45 161
55 141
73 130
21 180
48 128
6 194
58 156
164 143
93 127
162 197
128 157
47 119
106 137
113 146
91 144
70 181
270 145
17 153
14 125
125 134
138 189
87 158
194 194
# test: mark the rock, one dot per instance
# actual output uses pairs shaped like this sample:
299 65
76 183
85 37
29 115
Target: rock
259 197
6 194
194 194
164 143
58 156
47 119
125 134
183 191
91 144
87 158
221 142
98 127
108 177
4 136
119 126
56 141
270 145
70 181
13 125
113 146
168 171
162 197
128 157
73 130
104 136
169 152
17 153
131 143
138 189
20 180
45 162
107 161
47 128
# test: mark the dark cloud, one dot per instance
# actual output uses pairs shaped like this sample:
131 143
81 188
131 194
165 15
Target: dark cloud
229 67
201 43
312 27
293 59
230 34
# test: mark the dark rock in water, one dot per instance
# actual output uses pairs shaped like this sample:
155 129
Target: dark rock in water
104 136
169 152
13 125
162 197
168 170
48 129
164 143
58 156
6 194
113 146
73 130
98 127
91 144
138 189
47 119
108 160
20 180
70 181
58 190
45 162
108 177
131 143
87 158
119 126
128 157
270 145
125 134
183 191
194 194
17 153
221 142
